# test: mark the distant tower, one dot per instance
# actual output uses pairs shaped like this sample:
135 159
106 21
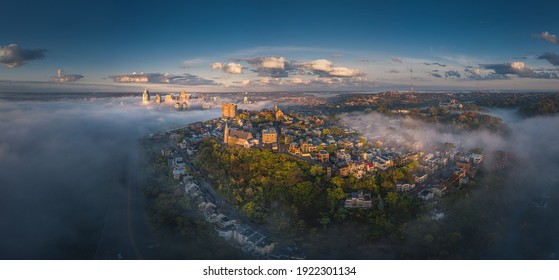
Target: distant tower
411 78
183 95
145 96
226 133
276 108
59 73
245 100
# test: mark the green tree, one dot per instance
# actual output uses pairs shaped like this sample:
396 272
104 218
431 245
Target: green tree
392 198
317 170
303 193
337 181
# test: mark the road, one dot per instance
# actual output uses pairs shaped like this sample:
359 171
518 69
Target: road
126 233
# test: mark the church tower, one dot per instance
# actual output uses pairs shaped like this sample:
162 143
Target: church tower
226 133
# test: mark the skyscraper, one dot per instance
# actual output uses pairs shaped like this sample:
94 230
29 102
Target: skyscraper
229 110
145 96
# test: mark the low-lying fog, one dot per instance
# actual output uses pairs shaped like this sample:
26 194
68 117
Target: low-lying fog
58 162
534 144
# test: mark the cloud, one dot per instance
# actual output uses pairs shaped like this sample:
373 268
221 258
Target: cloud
451 74
189 63
270 66
231 68
548 37
397 60
270 81
436 75
13 56
472 73
158 78
434 63
325 68
62 77
552 58
394 71
519 69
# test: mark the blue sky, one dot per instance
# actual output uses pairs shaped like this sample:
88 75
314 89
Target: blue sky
281 45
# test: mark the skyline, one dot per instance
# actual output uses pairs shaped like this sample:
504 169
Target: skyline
252 46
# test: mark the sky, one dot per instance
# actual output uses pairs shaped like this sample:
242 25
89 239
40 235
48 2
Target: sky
206 46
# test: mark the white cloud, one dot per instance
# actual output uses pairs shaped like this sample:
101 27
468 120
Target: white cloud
324 68
231 68
273 62
548 37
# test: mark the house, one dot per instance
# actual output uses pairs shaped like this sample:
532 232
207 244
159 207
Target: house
242 232
344 170
225 232
178 162
476 158
252 240
178 172
404 187
224 221
264 247
464 164
192 189
294 148
439 190
323 156
425 194
208 209
358 199
420 177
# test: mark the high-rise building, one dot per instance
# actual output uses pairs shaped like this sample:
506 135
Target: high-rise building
229 110
157 98
184 96
145 96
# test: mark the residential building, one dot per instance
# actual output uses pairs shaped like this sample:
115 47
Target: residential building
426 194
358 199
323 156
404 187
269 136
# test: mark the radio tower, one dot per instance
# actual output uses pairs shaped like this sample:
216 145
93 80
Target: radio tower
411 78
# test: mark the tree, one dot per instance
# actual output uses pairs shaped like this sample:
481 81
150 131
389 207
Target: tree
325 131
337 181
303 193
392 198
316 170
331 148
